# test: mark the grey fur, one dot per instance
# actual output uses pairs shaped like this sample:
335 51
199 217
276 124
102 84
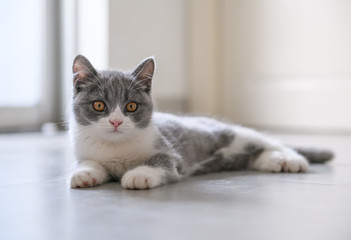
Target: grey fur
160 160
195 145
114 88
169 162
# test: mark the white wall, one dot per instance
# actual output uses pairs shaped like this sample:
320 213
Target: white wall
204 57
138 29
287 64
92 33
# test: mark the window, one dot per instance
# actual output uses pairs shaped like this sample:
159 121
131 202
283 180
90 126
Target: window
25 62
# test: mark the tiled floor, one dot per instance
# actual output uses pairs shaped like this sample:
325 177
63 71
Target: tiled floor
35 202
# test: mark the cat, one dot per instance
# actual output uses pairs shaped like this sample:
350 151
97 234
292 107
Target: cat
116 135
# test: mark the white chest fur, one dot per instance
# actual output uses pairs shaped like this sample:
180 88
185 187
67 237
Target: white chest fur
116 156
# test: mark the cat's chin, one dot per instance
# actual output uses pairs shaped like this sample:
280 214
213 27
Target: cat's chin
115 135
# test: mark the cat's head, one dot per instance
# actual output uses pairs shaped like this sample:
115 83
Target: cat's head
112 104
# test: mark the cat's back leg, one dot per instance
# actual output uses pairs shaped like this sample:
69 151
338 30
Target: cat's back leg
250 149
273 157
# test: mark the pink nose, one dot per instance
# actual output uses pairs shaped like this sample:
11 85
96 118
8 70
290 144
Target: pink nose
116 123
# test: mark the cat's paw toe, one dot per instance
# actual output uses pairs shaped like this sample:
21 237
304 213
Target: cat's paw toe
85 178
142 178
296 164
278 161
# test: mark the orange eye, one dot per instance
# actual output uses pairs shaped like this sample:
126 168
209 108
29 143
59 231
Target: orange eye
99 106
131 106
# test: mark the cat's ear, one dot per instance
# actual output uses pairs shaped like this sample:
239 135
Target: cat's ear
144 73
83 71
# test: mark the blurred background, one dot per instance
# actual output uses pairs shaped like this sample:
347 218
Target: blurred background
271 64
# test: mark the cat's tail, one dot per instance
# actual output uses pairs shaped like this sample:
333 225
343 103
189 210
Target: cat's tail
315 155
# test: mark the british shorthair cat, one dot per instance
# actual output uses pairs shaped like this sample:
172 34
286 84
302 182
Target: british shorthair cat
117 135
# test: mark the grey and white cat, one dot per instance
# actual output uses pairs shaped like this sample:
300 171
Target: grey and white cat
117 136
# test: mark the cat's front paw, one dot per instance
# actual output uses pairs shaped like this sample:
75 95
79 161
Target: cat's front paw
143 177
87 178
281 161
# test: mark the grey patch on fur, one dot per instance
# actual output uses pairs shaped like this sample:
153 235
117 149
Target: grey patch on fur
253 149
213 164
219 164
164 146
235 162
160 160
168 163
194 144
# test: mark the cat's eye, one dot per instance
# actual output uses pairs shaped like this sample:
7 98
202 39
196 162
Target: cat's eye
99 106
131 106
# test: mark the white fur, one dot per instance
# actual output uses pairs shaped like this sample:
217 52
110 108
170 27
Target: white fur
116 116
280 161
118 151
88 174
143 177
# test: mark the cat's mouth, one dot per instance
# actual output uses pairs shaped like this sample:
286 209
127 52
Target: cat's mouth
110 131
113 134
115 131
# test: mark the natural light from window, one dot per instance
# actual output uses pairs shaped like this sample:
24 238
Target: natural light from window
22 50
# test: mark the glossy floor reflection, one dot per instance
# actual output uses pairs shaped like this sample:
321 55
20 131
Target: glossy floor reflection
35 202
